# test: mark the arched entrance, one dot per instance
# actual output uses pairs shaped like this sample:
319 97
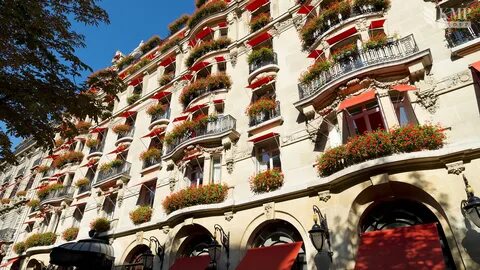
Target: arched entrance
403 221
134 259
192 242
33 265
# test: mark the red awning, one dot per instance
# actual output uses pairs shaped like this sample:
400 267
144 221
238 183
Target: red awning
119 149
127 114
271 258
180 118
58 174
376 24
349 102
195 108
98 130
218 101
199 66
205 32
404 87
261 82
90 163
220 59
414 247
154 132
263 137
52 156
151 55
191 263
315 54
475 66
136 81
222 25
167 61
342 35
187 77
255 4
161 95
259 39
9 262
305 9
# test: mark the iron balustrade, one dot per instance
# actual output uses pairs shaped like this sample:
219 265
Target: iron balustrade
165 115
36 162
62 193
84 188
150 162
392 51
220 125
126 134
104 176
7 234
265 115
201 91
458 36
262 62
97 148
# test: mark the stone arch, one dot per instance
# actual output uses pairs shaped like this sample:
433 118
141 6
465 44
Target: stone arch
34 264
131 248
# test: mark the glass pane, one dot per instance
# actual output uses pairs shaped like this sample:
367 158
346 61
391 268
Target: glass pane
376 121
276 161
217 170
360 125
402 115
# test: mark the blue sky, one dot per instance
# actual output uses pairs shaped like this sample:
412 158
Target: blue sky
130 22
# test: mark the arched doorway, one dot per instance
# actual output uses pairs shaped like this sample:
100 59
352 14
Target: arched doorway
134 259
192 242
33 265
396 215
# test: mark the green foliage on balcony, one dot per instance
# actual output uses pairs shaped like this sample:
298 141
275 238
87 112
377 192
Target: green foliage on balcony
19 247
206 47
165 79
178 24
125 62
100 225
262 54
152 152
205 11
188 126
70 234
141 215
40 239
150 44
67 157
259 21
44 191
375 42
264 104
210 83
267 181
315 70
112 164
133 98
377 4
172 42
191 196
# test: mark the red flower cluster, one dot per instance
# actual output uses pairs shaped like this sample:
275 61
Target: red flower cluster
141 215
70 234
380 143
266 181
191 196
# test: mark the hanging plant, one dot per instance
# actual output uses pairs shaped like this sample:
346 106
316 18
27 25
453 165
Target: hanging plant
156 109
206 47
210 83
33 203
198 195
267 181
151 153
141 215
264 104
165 79
82 182
259 21
206 10
22 193
261 55
40 239
91 142
112 164
59 142
344 52
70 234
43 168
121 128
100 225
172 42
19 247
375 42
150 44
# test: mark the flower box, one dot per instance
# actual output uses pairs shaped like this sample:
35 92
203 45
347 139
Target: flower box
40 239
191 196
170 44
263 104
380 143
141 215
266 181
22 193
262 54
205 11
375 42
92 142
165 79
110 165
43 168
259 21
203 85
156 109
5 200
345 52
150 44
133 98
44 191
315 70
121 128
100 225
206 47
59 142
82 182
83 127
152 152
125 62
70 234
188 126
33 203
68 157
178 24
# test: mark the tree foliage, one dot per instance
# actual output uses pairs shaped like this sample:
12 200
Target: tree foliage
39 71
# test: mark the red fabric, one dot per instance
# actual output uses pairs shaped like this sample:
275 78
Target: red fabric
191 263
342 35
222 24
151 55
377 24
220 59
261 82
279 257
52 156
136 81
180 118
259 39
205 32
192 42
404 87
32 220
305 9
263 137
218 101
195 108
475 66
199 66
9 262
78 203
90 163
127 114
255 4
160 95
97 130
119 149
154 132
315 54
187 77
166 62
349 102
416 247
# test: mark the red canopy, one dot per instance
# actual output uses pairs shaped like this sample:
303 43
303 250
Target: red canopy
205 32
259 39
218 101
9 262
161 95
376 24
255 4
90 163
187 77
414 247
29 221
180 118
127 114
222 24
119 149
195 108
98 130
278 257
167 61
404 87
261 82
136 81
220 59
154 132
342 35
305 9
199 66
349 102
263 137
191 263
315 54
475 65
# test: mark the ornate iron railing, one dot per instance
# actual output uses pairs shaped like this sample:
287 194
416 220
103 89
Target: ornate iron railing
393 51
122 170
63 193
97 148
265 116
262 62
165 115
458 36
150 162
84 188
126 134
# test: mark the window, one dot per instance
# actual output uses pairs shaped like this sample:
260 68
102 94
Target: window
45 222
137 89
216 169
403 108
268 158
364 118
29 227
194 172
30 183
147 194
109 206
78 215
14 190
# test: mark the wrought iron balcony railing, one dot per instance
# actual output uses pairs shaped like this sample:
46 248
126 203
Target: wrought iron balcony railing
261 63
122 170
84 188
126 134
165 115
97 148
221 125
393 51
59 194
265 116
150 162
458 36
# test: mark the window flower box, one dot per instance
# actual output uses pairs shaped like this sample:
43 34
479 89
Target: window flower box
121 128
150 44
151 153
261 55
33 203
44 191
206 47
344 52
315 70
19 247
83 127
178 24
40 239
5 201
188 126
133 98
375 42
125 62
110 165
263 104
165 79
198 195
205 11
141 215
204 85
259 21
91 142
43 168
100 225
156 109
70 234
68 157
170 44
59 142
267 181
22 193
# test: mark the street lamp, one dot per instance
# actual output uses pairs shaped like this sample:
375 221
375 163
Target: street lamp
147 259
214 248
472 205
319 233
148 256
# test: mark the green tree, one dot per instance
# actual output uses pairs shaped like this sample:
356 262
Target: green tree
38 70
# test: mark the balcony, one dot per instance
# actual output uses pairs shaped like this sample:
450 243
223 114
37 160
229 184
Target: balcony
97 149
125 136
65 193
263 117
262 63
84 189
163 118
395 53
151 162
462 39
7 234
224 125
122 171
36 163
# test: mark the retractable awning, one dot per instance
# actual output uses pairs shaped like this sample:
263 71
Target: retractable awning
259 39
271 258
119 149
260 82
404 87
9 262
376 24
97 130
264 137
154 132
167 61
414 247
191 263
127 114
349 102
256 4
342 35
180 118
205 32
475 65
195 108
136 81
315 54
199 66
305 9
161 95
